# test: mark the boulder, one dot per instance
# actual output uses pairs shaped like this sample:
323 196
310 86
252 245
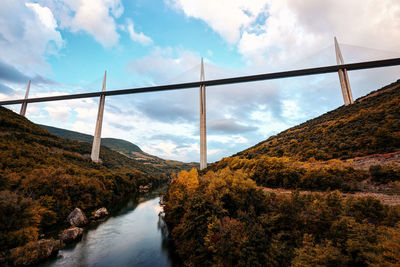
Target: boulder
71 234
34 252
100 213
77 218
145 188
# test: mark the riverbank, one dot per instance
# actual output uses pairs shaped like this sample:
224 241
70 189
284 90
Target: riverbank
44 178
132 236
67 232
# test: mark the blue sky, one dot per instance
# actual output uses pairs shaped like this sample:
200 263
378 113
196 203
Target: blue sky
65 46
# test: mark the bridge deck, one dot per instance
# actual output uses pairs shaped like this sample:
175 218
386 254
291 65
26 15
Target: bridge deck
241 79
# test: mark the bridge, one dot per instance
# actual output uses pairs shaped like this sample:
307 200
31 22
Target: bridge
341 68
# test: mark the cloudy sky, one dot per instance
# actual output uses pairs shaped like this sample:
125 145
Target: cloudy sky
64 46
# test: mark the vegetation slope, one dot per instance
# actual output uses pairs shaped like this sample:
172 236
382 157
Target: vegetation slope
126 148
44 177
224 217
318 154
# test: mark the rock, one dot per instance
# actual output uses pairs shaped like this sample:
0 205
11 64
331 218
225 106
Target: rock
77 218
34 252
71 234
145 188
102 212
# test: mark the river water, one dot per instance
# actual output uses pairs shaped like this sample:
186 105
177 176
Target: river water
135 236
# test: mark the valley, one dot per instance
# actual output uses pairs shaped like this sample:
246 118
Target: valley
328 188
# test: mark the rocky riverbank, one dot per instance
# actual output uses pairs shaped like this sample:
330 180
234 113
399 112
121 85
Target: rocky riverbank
37 251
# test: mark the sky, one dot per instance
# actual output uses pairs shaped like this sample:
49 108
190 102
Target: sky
65 46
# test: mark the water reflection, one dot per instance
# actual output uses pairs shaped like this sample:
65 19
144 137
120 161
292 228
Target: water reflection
136 236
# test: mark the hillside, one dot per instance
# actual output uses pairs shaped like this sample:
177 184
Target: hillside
351 148
44 177
112 143
370 126
235 213
126 148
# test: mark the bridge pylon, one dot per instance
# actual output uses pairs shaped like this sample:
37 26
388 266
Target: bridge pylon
24 104
203 130
343 77
99 123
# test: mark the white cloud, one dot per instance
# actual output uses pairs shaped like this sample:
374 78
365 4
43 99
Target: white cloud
267 122
58 111
292 111
44 14
171 150
96 17
163 65
28 33
226 17
273 33
137 37
297 29
232 140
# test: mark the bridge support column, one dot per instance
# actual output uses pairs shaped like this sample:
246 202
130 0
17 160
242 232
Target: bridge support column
25 104
97 134
203 130
343 77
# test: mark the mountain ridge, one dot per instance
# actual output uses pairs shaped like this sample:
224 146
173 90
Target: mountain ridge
124 147
112 143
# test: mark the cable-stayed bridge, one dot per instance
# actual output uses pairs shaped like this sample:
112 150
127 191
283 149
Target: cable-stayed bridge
340 68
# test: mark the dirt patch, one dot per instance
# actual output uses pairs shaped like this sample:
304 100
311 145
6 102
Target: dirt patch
363 163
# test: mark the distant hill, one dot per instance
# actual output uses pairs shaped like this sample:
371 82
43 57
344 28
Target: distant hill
126 148
337 150
119 145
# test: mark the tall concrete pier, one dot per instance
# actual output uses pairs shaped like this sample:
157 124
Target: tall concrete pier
97 134
25 104
343 77
203 136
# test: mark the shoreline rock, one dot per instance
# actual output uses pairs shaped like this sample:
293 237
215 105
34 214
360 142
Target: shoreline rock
145 188
100 213
77 218
70 235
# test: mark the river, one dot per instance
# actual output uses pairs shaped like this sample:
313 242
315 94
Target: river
135 236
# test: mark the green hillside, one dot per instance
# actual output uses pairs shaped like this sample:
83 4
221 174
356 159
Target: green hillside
44 177
321 153
126 148
112 143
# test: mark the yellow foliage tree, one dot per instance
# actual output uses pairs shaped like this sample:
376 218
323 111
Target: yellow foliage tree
189 179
